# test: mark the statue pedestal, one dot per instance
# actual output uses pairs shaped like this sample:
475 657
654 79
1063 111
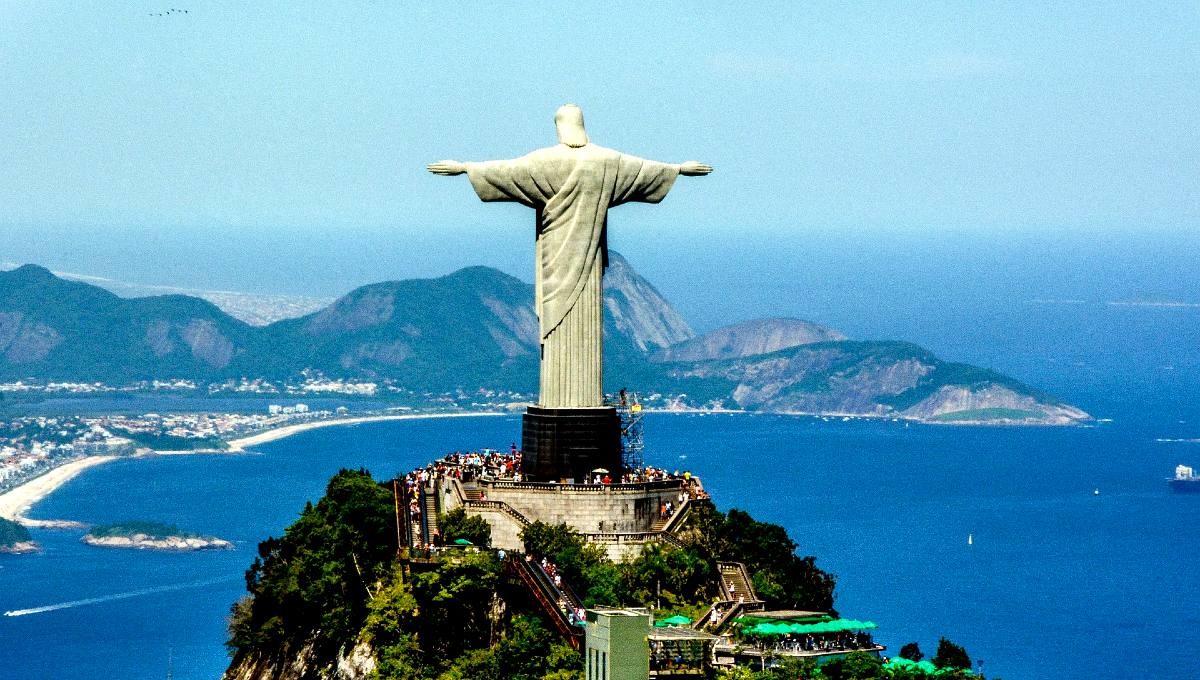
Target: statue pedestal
568 443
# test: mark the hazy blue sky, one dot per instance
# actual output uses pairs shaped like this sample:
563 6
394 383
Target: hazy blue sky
865 155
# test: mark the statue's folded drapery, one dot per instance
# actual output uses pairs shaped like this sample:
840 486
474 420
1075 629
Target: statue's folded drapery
572 189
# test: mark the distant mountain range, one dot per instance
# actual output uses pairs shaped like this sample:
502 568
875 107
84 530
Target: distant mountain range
256 309
476 328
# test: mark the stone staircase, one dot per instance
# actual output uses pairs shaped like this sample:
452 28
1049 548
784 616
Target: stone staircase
737 597
735 582
676 519
429 511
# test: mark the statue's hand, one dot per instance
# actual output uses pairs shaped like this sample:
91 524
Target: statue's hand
694 168
447 168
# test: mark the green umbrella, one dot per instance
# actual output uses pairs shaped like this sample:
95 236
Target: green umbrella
768 629
812 619
676 620
800 627
462 541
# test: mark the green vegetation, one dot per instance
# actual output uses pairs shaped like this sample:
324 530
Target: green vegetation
457 524
989 414
950 655
166 442
911 651
685 578
12 533
131 527
333 582
314 583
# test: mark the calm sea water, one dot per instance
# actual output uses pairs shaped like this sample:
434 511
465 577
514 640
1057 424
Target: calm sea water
1058 583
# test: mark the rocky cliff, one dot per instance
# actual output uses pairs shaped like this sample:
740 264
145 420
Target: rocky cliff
638 311
749 338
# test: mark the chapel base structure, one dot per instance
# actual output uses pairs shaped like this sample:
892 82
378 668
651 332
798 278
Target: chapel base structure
620 518
570 444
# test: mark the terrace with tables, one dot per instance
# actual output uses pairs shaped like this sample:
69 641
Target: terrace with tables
758 637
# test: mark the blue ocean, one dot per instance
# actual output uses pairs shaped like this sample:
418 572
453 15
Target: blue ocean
1057 581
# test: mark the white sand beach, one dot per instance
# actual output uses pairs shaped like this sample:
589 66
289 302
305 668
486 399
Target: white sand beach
16 502
241 444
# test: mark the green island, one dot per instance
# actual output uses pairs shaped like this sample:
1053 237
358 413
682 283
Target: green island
337 592
15 538
167 442
151 535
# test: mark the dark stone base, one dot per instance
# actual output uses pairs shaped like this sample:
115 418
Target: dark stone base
568 443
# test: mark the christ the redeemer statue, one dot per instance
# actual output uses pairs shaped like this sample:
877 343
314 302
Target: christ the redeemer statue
571 186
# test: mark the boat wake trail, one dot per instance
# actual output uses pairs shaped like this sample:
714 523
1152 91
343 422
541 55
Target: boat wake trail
117 596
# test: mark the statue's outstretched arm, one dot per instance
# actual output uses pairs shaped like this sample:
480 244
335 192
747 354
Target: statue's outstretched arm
447 168
693 168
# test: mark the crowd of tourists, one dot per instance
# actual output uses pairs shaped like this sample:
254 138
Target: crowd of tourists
501 466
676 655
486 463
823 642
493 464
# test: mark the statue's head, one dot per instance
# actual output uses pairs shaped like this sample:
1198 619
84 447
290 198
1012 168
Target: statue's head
569 121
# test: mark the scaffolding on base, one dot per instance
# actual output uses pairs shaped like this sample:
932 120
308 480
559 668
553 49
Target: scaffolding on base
629 408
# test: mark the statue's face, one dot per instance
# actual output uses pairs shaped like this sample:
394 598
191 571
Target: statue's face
569 121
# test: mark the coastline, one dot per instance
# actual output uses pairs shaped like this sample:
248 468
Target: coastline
16 502
242 443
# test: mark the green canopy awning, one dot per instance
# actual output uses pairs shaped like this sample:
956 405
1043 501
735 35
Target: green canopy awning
927 667
773 628
676 620
834 626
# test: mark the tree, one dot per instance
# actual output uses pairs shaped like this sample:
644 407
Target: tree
670 576
391 620
458 524
583 566
781 577
313 584
11 532
912 652
856 666
950 655
453 603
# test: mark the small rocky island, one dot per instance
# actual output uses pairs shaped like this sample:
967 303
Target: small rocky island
15 539
151 536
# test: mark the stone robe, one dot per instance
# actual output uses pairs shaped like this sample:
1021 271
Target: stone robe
572 189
